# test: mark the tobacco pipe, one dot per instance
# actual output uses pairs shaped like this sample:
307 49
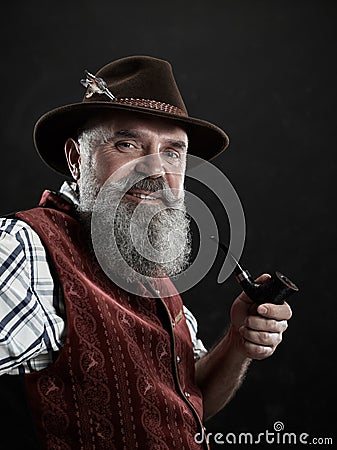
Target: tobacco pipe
274 290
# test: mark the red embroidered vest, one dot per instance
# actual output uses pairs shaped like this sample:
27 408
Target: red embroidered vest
125 376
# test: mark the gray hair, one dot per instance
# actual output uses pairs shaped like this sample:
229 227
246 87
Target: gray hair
95 132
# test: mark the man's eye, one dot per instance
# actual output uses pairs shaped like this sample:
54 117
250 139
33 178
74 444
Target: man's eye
125 145
172 155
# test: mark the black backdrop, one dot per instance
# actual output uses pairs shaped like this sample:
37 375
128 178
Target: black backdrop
263 70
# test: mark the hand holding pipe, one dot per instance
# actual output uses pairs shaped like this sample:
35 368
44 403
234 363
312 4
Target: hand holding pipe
274 290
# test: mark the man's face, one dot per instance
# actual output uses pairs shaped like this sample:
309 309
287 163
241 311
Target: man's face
128 137
152 152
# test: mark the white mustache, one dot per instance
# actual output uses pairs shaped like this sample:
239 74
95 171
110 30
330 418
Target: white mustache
167 195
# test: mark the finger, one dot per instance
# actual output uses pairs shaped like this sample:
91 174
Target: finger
258 323
263 338
277 312
254 351
262 278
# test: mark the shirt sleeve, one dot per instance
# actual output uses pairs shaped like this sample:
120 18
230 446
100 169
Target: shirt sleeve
29 323
199 349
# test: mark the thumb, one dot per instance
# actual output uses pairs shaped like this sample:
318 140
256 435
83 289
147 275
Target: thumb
262 278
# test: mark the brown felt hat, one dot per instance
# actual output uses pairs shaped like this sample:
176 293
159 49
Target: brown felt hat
141 84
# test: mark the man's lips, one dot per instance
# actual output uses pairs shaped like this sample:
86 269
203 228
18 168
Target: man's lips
139 195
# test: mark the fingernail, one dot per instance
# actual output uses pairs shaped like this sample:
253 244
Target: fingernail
262 310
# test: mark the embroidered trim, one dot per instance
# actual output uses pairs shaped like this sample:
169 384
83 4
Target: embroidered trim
152 104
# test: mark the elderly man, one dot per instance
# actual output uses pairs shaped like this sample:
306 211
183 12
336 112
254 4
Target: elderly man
86 361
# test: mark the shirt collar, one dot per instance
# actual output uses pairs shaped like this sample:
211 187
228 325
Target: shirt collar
69 191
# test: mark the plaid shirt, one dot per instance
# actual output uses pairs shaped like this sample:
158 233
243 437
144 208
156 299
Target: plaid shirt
32 314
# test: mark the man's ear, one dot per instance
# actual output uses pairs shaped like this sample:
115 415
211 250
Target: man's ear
72 151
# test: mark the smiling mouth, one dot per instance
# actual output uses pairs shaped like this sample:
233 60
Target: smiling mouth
138 196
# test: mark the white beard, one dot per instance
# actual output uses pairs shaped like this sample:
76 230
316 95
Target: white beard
163 237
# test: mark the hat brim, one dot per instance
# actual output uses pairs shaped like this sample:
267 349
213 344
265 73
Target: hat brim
51 131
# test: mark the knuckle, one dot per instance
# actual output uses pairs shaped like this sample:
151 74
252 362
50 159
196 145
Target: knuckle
265 336
262 352
275 325
244 332
251 322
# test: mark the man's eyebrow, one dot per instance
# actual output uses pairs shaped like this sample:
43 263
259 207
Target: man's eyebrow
128 134
178 144
133 134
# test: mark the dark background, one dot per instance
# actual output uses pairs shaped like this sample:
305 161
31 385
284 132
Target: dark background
265 71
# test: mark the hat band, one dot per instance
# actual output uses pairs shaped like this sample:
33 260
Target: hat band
152 104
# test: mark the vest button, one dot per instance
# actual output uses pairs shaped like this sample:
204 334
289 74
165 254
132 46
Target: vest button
178 359
187 394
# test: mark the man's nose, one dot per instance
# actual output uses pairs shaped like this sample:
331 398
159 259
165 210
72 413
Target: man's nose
151 165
